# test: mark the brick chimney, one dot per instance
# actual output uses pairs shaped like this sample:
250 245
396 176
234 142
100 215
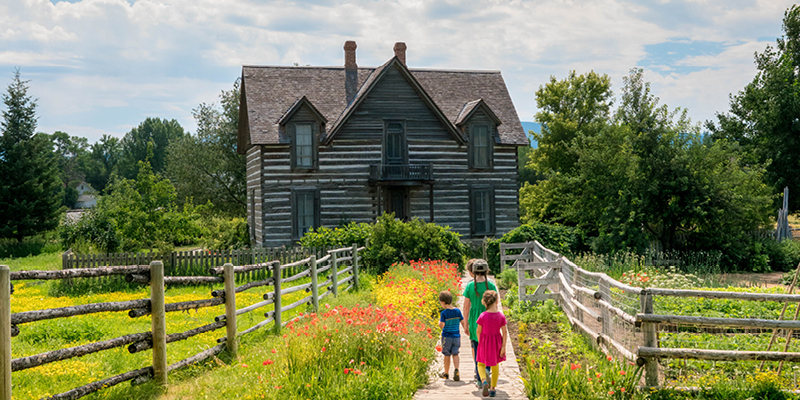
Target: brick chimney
350 70
400 52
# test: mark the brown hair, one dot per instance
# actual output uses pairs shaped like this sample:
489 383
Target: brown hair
445 297
489 298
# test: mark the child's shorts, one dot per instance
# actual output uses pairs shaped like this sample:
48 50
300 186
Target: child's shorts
450 346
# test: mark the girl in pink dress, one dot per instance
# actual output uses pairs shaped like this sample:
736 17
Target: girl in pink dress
492 338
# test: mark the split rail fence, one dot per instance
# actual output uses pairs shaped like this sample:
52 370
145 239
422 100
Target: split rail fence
336 271
621 319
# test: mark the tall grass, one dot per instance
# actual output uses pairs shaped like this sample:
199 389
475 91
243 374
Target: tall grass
701 263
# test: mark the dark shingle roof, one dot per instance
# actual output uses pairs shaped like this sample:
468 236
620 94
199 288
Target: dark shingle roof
271 91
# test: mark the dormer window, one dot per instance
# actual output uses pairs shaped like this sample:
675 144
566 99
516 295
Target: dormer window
303 125
304 145
480 146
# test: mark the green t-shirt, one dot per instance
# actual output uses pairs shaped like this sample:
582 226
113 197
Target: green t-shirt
476 307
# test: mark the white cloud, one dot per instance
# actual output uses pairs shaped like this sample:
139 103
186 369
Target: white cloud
128 60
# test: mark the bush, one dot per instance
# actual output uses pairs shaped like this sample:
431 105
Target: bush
224 234
783 256
507 279
342 236
561 239
394 241
30 246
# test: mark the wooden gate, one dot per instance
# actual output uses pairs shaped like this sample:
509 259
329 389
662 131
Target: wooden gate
544 273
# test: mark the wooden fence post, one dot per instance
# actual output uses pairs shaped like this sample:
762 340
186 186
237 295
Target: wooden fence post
605 294
649 336
334 270
230 309
5 331
502 257
159 323
276 283
314 288
578 297
355 266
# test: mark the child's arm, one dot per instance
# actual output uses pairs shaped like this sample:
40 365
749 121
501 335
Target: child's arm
480 328
504 332
441 325
465 311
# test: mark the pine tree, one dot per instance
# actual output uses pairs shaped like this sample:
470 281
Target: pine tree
30 188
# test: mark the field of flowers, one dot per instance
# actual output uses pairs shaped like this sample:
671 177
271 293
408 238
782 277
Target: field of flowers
43 336
376 343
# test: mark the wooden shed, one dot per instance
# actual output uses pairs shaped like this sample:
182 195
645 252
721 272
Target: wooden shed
327 145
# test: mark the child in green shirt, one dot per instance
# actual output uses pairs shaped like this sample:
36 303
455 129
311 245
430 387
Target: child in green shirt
473 306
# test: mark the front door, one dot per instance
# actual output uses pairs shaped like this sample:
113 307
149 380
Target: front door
397 202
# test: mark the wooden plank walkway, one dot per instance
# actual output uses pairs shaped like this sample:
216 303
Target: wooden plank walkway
509 385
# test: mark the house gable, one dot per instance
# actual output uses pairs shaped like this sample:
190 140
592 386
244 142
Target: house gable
392 93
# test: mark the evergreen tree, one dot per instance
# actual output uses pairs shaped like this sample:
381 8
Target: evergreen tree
30 189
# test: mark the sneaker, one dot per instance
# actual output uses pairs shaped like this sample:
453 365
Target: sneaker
485 389
456 376
479 383
492 393
443 375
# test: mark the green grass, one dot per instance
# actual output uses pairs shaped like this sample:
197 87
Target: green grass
43 336
44 261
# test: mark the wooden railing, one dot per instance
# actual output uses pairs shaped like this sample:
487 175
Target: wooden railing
402 172
620 318
330 268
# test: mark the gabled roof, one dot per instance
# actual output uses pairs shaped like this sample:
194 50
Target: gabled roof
470 109
376 77
268 93
303 101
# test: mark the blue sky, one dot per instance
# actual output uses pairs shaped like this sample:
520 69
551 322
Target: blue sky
103 66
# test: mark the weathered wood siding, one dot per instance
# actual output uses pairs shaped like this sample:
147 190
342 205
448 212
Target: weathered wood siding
254 211
342 177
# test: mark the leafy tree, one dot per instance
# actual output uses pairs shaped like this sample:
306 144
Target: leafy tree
69 150
207 167
135 214
765 116
572 109
101 161
30 190
159 132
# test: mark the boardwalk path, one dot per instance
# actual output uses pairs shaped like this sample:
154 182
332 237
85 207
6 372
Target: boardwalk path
509 386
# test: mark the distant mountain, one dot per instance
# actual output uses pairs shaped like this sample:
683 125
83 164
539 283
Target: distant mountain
532 126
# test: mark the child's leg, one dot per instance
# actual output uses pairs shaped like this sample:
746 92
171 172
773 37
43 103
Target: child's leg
446 364
495 375
456 361
482 371
474 356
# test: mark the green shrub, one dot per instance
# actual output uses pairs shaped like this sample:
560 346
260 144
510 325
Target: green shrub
224 234
507 279
342 236
394 241
784 255
30 246
561 239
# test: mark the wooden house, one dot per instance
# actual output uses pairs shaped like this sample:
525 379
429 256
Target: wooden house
326 145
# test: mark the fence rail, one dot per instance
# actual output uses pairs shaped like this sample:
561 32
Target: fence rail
287 268
620 318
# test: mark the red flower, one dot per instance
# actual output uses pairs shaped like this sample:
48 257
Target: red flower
357 372
347 370
268 362
424 359
439 348
323 348
622 372
274 351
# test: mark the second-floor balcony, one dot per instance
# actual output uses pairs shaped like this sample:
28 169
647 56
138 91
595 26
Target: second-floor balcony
401 173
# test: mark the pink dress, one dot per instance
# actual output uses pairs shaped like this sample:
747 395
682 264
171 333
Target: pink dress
490 341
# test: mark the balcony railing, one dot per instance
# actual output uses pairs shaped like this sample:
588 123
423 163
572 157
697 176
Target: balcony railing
401 172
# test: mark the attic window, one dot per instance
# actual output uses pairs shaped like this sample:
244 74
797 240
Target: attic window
480 147
304 152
